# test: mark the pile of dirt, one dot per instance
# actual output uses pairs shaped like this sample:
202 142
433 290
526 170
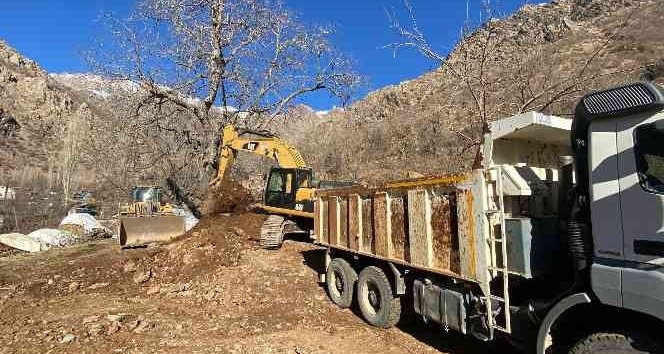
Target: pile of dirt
228 197
217 241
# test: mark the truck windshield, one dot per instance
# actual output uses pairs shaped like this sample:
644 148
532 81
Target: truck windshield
650 157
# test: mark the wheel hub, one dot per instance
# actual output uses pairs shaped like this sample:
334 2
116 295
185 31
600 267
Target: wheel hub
338 283
374 297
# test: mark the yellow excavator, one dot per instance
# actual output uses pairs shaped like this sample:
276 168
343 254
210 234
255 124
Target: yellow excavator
147 219
288 194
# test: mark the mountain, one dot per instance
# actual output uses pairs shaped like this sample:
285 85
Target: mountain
43 110
543 57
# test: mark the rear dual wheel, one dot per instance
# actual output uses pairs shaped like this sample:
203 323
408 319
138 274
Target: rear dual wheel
340 280
376 299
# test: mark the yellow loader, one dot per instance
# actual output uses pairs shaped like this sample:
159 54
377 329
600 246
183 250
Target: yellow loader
147 219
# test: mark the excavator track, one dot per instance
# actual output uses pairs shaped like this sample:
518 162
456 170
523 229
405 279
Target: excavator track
272 232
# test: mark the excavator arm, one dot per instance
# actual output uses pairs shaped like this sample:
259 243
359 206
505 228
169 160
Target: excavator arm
271 147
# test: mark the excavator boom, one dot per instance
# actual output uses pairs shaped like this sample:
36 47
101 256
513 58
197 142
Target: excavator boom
271 147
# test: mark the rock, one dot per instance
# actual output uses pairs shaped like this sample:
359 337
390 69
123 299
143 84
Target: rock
95 330
238 231
142 275
73 286
116 318
132 325
90 319
144 326
114 327
130 266
98 286
210 295
153 290
187 293
68 338
175 288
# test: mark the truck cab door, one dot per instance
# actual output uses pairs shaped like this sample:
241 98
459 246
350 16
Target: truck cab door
640 140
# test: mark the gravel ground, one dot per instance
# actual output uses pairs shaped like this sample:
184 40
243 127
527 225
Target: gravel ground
212 291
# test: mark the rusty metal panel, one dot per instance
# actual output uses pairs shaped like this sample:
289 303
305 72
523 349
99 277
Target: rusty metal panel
466 231
419 228
382 225
355 222
443 226
325 232
317 220
399 229
343 222
333 220
368 226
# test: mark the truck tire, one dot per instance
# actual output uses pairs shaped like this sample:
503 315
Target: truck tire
376 299
616 343
340 280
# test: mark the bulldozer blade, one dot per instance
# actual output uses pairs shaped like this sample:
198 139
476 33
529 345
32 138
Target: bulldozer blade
138 231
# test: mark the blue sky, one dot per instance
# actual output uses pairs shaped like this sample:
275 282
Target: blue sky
53 32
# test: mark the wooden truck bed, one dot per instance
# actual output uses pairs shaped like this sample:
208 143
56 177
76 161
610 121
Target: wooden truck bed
425 223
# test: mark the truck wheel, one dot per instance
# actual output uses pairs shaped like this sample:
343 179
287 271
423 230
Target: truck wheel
616 343
340 280
377 303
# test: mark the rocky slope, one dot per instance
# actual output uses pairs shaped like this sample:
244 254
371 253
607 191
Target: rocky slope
42 109
543 57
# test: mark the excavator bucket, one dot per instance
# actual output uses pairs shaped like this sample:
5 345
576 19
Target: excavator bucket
141 230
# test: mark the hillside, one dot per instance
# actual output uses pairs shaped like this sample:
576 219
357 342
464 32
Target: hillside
543 57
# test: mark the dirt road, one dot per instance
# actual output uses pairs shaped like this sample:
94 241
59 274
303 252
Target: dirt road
213 291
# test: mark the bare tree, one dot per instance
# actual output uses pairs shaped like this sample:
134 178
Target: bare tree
202 64
484 62
70 156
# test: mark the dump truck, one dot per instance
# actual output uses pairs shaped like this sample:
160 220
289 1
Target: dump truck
147 218
556 241
289 188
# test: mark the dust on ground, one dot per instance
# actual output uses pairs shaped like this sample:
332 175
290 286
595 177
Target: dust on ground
212 290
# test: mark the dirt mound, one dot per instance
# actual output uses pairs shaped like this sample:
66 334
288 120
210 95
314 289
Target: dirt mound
217 241
229 197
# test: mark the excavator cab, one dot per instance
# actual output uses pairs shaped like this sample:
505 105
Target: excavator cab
287 188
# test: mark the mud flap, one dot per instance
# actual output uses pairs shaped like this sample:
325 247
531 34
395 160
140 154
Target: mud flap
138 231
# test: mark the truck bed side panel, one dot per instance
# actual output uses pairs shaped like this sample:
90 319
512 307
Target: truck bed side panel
355 222
430 226
382 225
367 226
399 225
